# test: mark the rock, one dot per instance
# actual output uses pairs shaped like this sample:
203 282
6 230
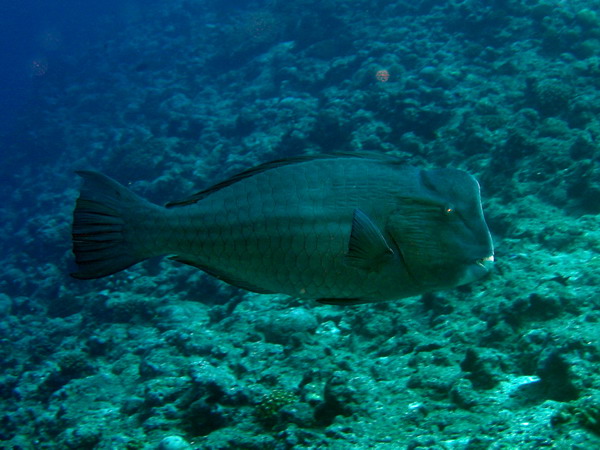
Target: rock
174 443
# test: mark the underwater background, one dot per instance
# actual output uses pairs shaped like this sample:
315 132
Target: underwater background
169 97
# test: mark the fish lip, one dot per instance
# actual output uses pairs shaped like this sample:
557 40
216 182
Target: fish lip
485 263
476 269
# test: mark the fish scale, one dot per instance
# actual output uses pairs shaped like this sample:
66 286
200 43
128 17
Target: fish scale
343 229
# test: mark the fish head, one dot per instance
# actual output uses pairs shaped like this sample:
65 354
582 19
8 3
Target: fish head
440 231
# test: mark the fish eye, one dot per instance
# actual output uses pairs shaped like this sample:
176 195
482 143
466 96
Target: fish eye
448 210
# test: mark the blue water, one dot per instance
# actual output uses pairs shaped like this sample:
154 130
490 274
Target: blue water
35 35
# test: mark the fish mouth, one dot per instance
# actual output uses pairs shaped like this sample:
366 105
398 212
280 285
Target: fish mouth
476 270
486 263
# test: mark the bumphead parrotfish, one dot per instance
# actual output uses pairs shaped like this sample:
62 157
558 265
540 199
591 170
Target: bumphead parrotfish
342 229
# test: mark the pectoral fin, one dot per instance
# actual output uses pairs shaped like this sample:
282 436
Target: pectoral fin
367 248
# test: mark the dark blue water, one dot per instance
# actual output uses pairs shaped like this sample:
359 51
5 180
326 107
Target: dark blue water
34 34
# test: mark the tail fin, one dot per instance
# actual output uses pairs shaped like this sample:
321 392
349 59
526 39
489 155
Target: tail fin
101 241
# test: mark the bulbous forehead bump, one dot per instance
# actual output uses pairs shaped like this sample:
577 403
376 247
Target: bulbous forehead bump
452 185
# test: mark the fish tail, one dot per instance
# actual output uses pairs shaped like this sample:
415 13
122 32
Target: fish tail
106 227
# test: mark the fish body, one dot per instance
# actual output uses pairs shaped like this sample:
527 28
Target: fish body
340 229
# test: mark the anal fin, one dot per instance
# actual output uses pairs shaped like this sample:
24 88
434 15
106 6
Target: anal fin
223 276
342 301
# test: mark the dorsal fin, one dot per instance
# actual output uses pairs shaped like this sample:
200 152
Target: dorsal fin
280 163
